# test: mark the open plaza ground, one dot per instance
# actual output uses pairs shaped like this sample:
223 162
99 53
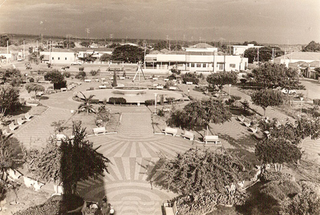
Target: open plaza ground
133 144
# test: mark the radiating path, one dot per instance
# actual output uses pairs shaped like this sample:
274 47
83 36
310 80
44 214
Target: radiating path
131 151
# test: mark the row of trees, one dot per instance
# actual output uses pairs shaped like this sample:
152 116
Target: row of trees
263 54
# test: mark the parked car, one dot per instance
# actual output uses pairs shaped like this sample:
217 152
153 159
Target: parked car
76 63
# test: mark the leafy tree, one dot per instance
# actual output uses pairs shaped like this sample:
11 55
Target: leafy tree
34 87
85 43
79 160
105 57
273 75
9 99
160 45
312 47
128 54
265 53
12 76
190 77
3 40
59 126
11 156
277 151
54 76
68 44
94 72
86 105
266 98
198 114
221 78
201 172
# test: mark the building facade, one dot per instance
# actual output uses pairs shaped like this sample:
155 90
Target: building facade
56 57
240 49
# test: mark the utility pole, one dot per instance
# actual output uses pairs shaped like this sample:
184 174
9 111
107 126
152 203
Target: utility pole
24 49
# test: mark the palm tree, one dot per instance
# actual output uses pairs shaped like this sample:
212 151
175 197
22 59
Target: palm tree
86 105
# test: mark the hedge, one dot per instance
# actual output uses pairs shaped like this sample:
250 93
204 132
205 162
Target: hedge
150 102
117 100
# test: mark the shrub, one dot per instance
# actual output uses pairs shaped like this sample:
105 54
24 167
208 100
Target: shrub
150 102
94 101
81 75
58 86
117 100
67 74
94 72
81 69
31 80
160 112
316 101
190 77
275 176
243 80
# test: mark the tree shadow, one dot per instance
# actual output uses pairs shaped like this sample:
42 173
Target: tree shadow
24 109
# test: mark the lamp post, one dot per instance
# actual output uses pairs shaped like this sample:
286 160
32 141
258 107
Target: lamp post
301 98
155 103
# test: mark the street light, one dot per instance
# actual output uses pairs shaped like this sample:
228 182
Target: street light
155 103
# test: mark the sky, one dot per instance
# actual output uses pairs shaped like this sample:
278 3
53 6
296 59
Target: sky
264 21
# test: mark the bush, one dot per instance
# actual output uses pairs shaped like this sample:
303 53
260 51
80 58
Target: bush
31 80
67 74
117 100
58 86
95 101
160 112
81 75
190 77
94 72
150 102
316 101
81 69
275 176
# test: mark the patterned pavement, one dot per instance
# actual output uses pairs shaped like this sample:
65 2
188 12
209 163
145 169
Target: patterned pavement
131 151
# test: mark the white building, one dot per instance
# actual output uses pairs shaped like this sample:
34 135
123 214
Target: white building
58 57
97 53
240 49
196 60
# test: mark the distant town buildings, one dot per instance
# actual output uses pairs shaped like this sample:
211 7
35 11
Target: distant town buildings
240 49
58 57
199 58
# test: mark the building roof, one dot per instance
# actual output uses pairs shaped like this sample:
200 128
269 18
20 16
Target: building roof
92 49
314 56
201 46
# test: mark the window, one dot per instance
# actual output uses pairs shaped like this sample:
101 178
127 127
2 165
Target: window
58 58
232 65
199 64
66 58
192 64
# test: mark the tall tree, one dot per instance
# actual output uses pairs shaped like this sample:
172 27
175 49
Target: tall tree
200 174
312 47
54 76
265 53
221 78
266 98
274 75
35 87
198 114
9 99
277 151
128 54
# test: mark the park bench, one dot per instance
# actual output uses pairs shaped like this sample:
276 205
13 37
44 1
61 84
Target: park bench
189 135
99 130
20 121
172 131
160 87
211 138
254 130
87 80
122 78
170 210
166 79
172 88
12 126
63 89
189 83
241 118
6 133
28 117
102 87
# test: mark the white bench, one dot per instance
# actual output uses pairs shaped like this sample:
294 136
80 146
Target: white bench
12 126
63 89
122 78
212 138
172 131
188 134
87 80
102 87
160 87
170 210
172 88
20 121
99 130
189 83
166 79
28 117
